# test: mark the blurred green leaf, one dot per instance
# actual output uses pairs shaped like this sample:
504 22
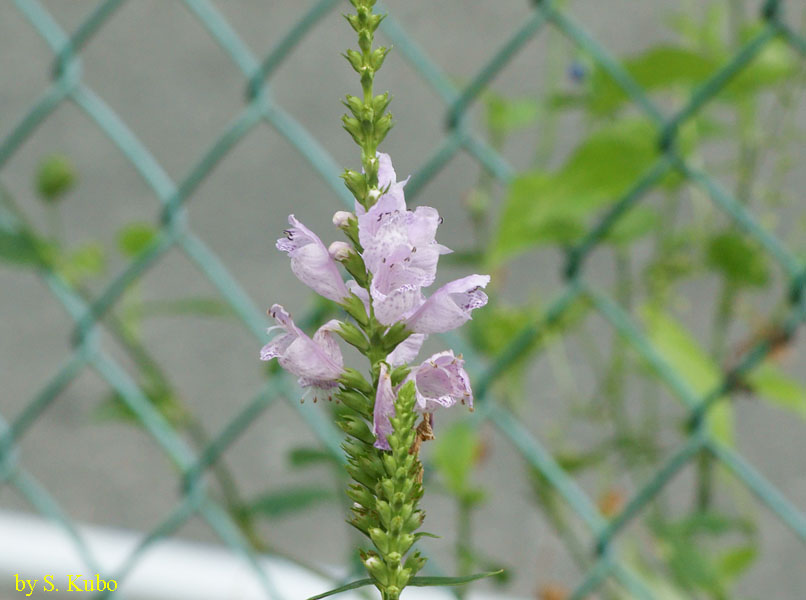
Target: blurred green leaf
494 328
709 523
505 115
114 407
692 568
574 461
414 581
306 457
778 388
546 208
55 176
736 561
281 503
737 259
18 244
456 450
774 64
85 262
637 223
684 354
656 68
22 248
135 237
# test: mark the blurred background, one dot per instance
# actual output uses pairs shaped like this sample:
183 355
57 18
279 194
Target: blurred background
560 143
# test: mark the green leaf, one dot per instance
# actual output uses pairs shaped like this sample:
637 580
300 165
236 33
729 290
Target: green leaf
18 244
114 408
85 262
637 223
737 259
710 523
494 328
446 581
548 208
414 582
456 450
22 248
344 588
685 355
281 503
306 457
693 568
774 64
54 177
736 561
778 388
135 237
659 67
505 115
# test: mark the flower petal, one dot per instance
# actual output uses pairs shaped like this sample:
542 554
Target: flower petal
384 410
440 382
407 350
450 306
318 360
311 262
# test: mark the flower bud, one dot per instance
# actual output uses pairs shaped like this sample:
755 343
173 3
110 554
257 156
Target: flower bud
341 219
351 378
340 251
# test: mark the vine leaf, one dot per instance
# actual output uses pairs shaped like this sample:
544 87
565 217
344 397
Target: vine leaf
414 581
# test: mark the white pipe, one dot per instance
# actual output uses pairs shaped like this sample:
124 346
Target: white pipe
31 548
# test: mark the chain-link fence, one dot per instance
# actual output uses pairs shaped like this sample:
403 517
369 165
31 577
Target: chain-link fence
90 314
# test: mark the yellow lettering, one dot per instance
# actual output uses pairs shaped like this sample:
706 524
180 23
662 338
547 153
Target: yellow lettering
71 585
110 583
47 580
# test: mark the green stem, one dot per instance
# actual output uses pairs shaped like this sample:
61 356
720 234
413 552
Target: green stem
464 540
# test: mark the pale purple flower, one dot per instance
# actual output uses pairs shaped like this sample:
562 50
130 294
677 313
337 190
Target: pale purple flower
440 382
316 362
311 262
400 249
450 306
386 172
384 409
407 350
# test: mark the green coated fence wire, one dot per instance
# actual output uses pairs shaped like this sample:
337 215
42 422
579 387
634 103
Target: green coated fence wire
260 108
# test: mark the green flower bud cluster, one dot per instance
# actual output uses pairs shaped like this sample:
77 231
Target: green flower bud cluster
368 122
387 485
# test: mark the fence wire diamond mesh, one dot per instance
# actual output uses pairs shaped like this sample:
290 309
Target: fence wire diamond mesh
88 314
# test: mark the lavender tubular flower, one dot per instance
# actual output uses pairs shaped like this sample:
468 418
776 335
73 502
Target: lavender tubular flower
311 262
441 382
450 306
316 362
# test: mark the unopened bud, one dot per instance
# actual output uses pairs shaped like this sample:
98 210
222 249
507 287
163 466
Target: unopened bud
374 194
340 251
341 219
